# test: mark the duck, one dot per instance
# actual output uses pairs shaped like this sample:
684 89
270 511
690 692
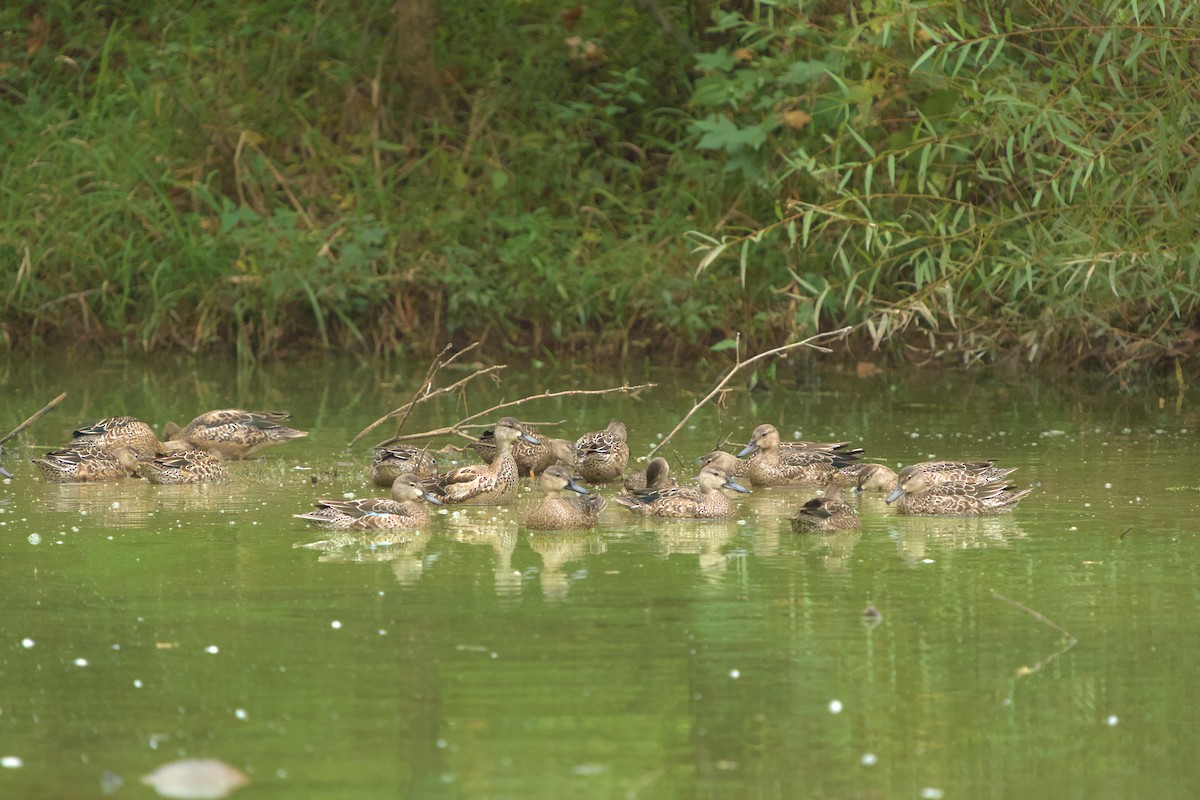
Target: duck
917 494
825 514
881 478
112 433
656 475
773 463
403 510
394 460
532 453
182 466
232 432
603 455
705 501
559 511
491 483
81 463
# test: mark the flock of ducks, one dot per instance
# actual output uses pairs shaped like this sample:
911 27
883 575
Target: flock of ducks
120 446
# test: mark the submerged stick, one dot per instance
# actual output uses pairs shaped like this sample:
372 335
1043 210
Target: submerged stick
465 422
44 409
1069 640
739 366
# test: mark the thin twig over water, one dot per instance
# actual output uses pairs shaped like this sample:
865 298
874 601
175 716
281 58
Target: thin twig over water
740 365
38 415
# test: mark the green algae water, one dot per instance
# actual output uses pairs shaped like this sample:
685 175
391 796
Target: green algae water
1047 653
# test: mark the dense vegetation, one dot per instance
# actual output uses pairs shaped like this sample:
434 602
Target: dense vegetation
961 181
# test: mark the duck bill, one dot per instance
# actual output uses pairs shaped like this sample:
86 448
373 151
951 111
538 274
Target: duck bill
575 487
528 438
735 487
432 498
747 450
5 473
895 495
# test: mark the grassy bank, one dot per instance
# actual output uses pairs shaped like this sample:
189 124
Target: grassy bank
960 188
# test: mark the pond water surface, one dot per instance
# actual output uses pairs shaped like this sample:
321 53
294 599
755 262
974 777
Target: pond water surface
1049 653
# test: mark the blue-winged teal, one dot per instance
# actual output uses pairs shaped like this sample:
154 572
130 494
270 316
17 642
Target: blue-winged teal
559 511
532 453
491 483
403 510
81 463
182 466
917 494
656 475
394 460
111 433
772 463
736 467
603 455
706 501
232 432
824 514
881 478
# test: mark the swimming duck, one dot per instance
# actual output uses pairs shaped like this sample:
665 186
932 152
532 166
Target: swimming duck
881 478
232 432
827 513
706 501
369 513
656 475
111 433
394 460
81 463
775 463
491 483
183 466
559 511
532 453
603 455
917 494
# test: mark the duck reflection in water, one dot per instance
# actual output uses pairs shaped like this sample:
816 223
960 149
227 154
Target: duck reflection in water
557 550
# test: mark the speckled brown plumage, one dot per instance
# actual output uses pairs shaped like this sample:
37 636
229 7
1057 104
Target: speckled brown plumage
491 483
79 464
532 453
771 463
560 511
232 432
825 514
394 460
183 466
705 501
403 510
603 455
916 494
112 433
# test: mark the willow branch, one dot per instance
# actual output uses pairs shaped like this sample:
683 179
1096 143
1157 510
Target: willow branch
740 365
44 409
458 427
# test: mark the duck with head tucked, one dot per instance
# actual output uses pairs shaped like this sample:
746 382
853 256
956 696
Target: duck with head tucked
866 477
603 455
232 432
403 510
182 466
917 494
656 475
825 514
393 460
559 511
773 462
81 464
491 483
705 501
112 433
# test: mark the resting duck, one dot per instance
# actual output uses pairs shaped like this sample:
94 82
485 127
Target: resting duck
112 433
824 514
372 513
232 432
603 455
705 501
559 511
491 483
916 494
394 460
81 463
183 466
775 463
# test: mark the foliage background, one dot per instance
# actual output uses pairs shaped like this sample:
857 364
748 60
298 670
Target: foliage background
960 181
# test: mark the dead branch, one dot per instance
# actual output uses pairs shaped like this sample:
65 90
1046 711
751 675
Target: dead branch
423 392
44 409
458 427
740 365
1069 641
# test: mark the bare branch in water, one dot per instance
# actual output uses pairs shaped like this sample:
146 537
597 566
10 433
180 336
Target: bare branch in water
425 392
459 427
1069 641
739 365
38 415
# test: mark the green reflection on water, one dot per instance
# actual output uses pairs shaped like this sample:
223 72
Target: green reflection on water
644 659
